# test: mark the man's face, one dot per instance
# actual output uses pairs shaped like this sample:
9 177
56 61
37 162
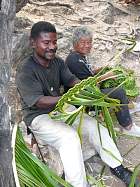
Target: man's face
45 45
83 46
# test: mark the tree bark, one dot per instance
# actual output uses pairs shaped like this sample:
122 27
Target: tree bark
7 13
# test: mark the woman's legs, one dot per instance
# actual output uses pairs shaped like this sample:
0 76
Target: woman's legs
123 115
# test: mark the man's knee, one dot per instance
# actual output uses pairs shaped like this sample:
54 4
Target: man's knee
71 136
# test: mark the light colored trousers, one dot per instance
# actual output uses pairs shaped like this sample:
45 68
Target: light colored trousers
66 140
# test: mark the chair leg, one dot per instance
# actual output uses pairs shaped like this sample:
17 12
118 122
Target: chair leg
34 141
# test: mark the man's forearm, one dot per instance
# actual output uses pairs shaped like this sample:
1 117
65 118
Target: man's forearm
47 101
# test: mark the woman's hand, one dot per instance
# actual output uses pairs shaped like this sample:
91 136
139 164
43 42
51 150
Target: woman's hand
97 70
109 75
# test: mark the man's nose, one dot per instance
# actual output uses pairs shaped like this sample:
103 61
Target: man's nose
52 46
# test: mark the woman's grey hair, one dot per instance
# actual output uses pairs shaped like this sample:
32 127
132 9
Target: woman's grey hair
81 32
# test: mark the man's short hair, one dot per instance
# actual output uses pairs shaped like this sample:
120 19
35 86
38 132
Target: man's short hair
41 26
81 32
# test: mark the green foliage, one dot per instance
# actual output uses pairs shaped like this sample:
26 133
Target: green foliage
31 171
124 75
96 182
85 94
109 122
130 41
134 176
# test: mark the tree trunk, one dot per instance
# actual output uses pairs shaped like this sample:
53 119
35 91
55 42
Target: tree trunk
7 13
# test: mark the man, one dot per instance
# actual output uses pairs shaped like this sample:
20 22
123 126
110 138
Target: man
79 66
38 82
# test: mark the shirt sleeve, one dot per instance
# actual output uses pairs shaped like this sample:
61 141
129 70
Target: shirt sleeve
77 67
29 87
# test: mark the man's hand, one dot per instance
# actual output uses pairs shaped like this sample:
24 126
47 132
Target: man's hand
47 101
74 82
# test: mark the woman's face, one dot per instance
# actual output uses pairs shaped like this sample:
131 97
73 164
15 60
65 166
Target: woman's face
84 45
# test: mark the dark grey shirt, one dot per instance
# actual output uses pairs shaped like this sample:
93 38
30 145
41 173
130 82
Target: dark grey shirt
34 81
79 65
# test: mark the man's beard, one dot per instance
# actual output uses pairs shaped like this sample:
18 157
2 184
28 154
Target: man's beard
47 55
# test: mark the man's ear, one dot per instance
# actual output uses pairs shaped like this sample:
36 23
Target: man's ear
32 43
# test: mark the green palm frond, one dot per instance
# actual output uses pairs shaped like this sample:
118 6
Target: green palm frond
124 76
85 94
109 123
96 182
134 176
80 124
67 117
130 41
30 170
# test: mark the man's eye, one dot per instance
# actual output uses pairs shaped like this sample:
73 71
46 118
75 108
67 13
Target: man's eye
55 42
46 42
